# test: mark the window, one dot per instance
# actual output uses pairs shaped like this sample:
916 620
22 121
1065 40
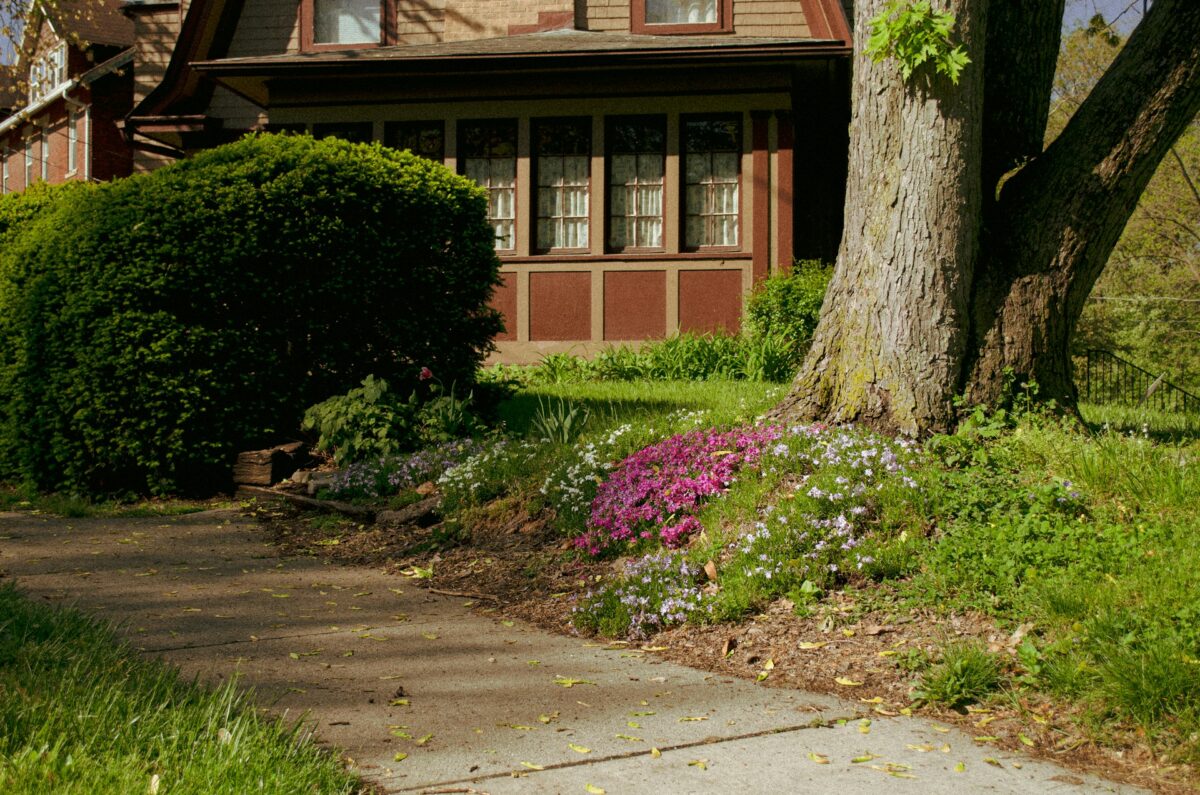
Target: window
637 148
424 138
563 148
5 156
48 73
72 143
29 161
682 16
488 155
346 21
712 159
45 155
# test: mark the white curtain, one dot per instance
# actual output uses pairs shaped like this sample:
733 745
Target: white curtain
637 201
680 12
563 207
499 176
346 21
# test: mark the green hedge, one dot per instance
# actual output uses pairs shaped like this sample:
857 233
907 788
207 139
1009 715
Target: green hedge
789 305
152 327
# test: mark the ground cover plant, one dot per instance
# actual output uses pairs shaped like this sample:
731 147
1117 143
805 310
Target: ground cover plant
83 713
1081 541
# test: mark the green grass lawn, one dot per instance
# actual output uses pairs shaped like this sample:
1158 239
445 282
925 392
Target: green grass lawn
16 498
82 713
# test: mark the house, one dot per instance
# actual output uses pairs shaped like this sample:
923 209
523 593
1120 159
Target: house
67 96
647 161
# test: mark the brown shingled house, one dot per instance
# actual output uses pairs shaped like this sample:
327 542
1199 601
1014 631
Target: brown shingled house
68 95
647 160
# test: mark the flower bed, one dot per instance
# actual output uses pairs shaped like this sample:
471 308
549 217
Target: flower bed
658 490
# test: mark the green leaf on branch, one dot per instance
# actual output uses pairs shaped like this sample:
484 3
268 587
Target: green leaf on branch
915 35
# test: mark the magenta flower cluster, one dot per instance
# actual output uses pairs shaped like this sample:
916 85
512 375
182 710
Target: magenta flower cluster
660 489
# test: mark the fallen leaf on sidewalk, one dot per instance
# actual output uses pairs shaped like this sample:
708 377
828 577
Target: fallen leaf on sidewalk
692 718
566 682
594 790
700 763
820 759
532 766
579 749
655 753
629 737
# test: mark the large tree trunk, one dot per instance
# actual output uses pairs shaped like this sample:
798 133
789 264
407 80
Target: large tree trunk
894 329
944 282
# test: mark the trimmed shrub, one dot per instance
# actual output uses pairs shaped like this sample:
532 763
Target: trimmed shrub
156 325
789 305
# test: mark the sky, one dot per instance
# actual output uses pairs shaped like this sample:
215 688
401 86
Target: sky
1127 13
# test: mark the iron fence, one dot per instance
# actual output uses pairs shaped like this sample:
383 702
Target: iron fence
1108 378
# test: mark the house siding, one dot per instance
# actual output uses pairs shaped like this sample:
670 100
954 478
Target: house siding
485 19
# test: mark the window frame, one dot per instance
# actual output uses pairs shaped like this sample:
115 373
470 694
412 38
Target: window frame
638 23
461 166
610 189
308 32
5 158
45 141
72 143
29 157
586 123
684 245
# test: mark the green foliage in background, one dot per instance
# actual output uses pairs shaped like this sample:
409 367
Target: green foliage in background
153 326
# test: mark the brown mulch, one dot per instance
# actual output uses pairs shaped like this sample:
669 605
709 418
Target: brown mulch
520 564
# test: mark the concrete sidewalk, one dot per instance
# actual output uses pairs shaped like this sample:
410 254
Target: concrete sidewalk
477 703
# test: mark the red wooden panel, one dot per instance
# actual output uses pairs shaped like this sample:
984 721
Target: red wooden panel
710 301
504 299
635 305
560 306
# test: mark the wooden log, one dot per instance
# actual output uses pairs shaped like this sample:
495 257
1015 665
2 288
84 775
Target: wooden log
344 508
268 467
423 513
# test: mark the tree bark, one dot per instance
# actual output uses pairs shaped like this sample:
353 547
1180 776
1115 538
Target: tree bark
894 328
967 252
1058 219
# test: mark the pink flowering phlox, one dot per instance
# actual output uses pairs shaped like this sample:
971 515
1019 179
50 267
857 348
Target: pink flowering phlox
660 489
425 374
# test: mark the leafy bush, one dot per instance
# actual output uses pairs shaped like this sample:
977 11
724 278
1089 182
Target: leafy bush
788 306
368 422
151 327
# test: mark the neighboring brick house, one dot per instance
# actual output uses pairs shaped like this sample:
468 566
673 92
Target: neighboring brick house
69 93
647 161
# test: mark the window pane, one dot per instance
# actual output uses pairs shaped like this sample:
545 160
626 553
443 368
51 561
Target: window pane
712 181
487 155
424 138
563 149
636 149
346 21
680 12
